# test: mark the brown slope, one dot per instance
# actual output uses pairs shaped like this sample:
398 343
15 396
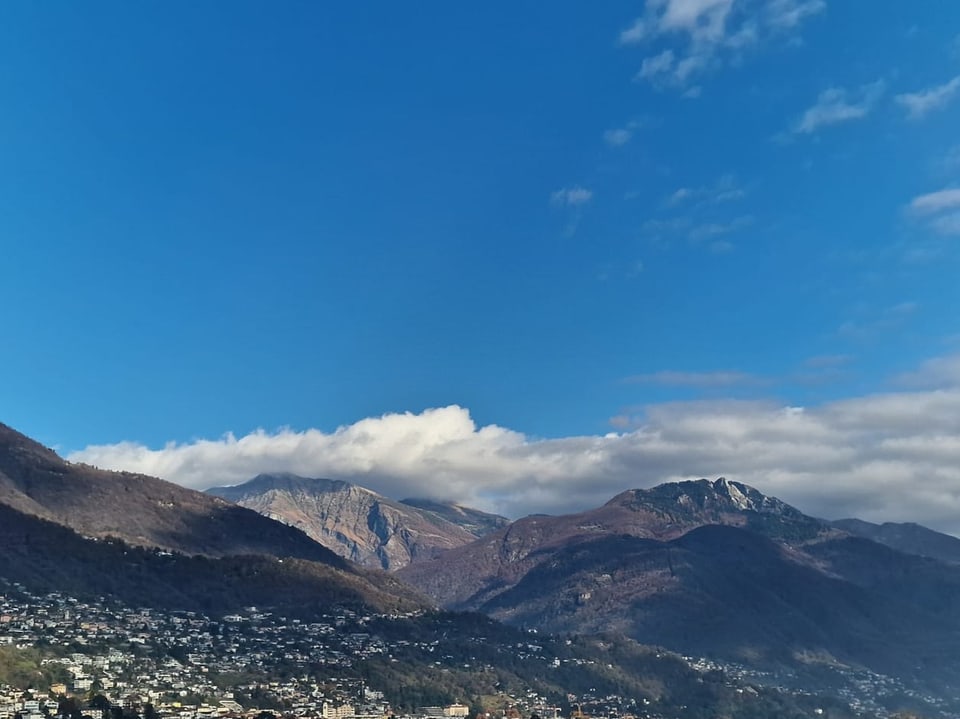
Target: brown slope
354 522
141 510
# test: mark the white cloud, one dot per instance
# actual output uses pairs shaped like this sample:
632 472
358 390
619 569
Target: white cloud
919 104
889 456
703 20
707 33
725 189
617 137
572 196
936 372
935 202
836 105
715 229
941 209
791 13
657 65
638 32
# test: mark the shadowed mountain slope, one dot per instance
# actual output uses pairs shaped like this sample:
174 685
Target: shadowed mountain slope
44 557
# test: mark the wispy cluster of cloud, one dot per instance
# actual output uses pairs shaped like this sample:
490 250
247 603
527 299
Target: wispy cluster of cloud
702 223
889 456
701 34
837 105
707 233
919 104
940 210
951 159
725 189
571 196
672 378
618 136
878 322
712 230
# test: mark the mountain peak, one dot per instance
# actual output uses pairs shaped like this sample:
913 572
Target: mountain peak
353 521
702 495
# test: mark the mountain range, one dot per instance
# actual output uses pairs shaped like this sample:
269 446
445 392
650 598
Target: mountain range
137 541
713 569
149 541
706 568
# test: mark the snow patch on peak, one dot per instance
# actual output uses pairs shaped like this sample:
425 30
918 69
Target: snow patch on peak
733 493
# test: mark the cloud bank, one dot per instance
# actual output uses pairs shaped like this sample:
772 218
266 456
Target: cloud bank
886 456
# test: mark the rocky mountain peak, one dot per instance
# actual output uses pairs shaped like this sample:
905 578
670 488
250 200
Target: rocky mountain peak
355 522
696 497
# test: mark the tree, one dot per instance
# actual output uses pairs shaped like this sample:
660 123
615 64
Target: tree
99 702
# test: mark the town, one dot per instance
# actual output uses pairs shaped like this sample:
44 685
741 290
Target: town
121 662
189 666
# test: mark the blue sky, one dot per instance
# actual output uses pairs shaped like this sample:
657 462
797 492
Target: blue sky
567 221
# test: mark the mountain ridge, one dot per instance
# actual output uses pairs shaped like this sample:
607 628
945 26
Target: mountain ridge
908 537
50 504
716 568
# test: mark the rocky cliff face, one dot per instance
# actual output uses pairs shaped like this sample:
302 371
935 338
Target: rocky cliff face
354 522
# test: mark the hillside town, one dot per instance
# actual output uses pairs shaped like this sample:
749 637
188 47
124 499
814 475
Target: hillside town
254 664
